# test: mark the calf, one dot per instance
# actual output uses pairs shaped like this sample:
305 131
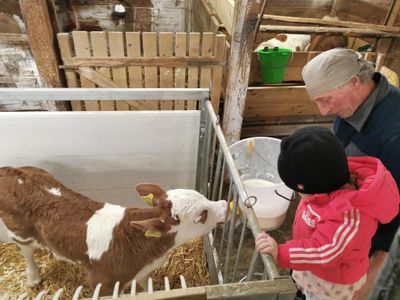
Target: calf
111 242
304 42
295 42
326 42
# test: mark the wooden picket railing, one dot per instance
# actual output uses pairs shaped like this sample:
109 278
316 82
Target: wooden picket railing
143 60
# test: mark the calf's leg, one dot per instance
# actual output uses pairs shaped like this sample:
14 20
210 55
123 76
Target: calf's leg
32 269
4 237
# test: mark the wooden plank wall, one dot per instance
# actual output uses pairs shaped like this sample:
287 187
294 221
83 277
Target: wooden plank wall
143 60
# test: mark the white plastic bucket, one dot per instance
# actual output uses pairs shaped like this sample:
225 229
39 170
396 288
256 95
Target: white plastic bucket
256 161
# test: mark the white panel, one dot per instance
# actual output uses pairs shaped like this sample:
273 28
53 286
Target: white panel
105 154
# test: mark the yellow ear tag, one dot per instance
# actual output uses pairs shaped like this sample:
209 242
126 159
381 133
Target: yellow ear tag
231 208
152 233
148 199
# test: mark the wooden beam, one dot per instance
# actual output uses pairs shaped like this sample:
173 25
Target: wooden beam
224 9
393 13
245 19
42 40
386 45
393 29
327 30
97 78
143 61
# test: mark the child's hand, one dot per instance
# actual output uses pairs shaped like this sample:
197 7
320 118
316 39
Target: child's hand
266 244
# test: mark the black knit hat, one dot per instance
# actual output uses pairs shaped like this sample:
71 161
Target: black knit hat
313 161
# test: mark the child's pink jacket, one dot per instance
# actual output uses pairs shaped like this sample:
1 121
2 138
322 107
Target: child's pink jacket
332 232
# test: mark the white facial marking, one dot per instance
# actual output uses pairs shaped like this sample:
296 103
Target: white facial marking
100 229
187 206
54 191
20 181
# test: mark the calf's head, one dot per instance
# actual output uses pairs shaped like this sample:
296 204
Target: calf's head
191 214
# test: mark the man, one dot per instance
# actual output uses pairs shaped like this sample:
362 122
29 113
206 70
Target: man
367 110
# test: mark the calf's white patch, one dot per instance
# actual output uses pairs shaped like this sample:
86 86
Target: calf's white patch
100 229
54 191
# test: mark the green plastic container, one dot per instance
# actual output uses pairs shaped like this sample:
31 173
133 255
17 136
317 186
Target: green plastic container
273 63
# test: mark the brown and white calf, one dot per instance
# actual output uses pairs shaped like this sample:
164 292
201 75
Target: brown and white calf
111 242
304 42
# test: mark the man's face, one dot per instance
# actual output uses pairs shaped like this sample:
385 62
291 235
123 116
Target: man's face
341 101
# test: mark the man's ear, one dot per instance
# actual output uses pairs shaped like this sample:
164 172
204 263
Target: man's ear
155 227
151 193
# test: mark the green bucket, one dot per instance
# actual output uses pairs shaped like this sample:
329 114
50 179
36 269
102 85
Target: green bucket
273 63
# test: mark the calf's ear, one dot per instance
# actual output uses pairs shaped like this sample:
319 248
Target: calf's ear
155 227
151 193
202 218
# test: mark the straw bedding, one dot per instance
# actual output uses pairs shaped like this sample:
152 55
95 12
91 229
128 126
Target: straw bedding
187 260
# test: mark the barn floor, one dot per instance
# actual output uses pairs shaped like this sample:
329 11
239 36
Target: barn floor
187 260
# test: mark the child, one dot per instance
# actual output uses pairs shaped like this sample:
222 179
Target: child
343 199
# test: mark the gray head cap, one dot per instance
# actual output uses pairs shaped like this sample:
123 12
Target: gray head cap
330 70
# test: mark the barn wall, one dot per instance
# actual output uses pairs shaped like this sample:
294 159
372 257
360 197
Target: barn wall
142 15
18 69
104 155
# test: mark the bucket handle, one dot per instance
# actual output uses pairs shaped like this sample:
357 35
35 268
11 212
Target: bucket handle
292 198
291 57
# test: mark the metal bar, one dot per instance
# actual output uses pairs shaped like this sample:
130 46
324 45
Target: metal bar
230 236
226 220
96 94
206 153
239 250
217 174
213 172
269 264
200 154
212 260
253 263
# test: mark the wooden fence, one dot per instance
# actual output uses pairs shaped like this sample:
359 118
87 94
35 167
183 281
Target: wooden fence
143 60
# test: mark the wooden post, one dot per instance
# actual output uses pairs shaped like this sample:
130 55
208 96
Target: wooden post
386 45
245 20
335 8
188 16
43 42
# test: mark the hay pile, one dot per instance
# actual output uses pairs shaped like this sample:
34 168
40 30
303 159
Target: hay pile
187 260
56 274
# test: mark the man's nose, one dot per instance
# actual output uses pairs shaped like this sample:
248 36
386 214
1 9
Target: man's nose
323 109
